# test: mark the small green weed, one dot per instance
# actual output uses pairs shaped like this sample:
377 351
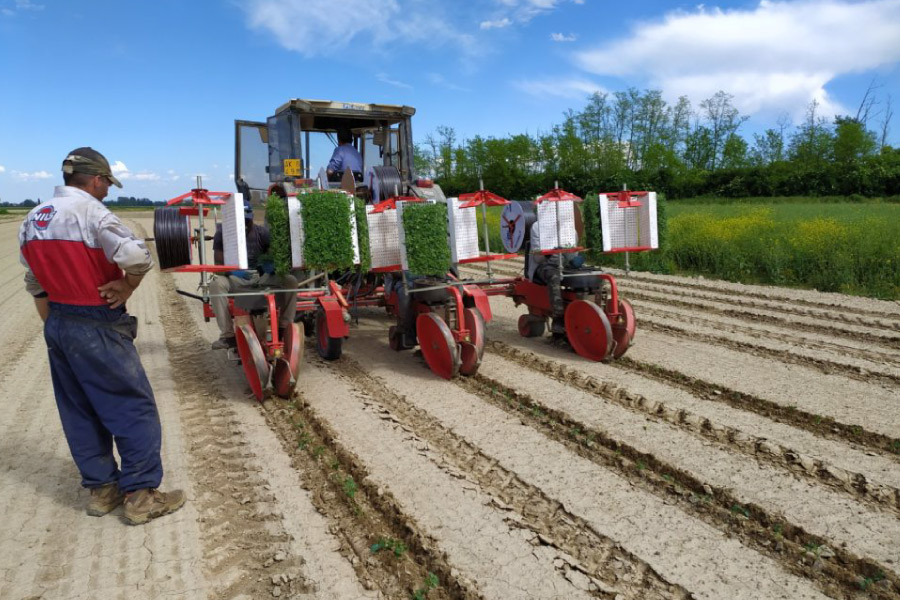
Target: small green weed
865 582
395 546
737 509
317 451
350 487
429 584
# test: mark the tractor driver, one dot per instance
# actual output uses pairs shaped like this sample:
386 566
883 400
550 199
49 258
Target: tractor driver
545 270
260 275
344 157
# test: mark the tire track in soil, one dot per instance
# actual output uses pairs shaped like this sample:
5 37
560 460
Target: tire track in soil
872 336
359 512
239 534
768 534
598 557
879 495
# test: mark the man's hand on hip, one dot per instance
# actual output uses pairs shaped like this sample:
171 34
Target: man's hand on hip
116 292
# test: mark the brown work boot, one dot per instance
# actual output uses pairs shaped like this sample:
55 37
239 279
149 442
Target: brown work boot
104 499
146 504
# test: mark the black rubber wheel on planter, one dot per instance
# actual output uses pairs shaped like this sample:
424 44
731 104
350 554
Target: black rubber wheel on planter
531 327
328 348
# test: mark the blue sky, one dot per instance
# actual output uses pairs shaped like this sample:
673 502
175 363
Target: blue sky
156 86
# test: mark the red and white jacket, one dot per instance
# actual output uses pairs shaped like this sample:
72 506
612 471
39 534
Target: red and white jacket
73 244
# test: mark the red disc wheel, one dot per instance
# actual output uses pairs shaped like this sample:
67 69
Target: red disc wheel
623 328
437 345
588 330
470 352
288 366
253 359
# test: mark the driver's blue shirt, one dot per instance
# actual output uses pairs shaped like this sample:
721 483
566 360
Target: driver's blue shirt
345 157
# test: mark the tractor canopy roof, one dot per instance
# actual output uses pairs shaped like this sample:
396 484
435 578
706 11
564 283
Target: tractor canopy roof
328 115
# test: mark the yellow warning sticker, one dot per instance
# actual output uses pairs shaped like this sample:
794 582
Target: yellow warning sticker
292 167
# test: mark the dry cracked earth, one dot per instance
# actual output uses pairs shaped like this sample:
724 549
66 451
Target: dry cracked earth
747 446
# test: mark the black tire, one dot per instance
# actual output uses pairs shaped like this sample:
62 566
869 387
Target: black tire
328 348
531 327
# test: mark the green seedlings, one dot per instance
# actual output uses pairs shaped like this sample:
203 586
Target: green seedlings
425 234
865 582
429 584
641 465
317 451
395 546
857 430
279 234
737 509
328 243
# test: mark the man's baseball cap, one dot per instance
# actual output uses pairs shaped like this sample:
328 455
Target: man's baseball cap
89 161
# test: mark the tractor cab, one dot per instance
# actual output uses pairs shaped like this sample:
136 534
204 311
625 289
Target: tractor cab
293 147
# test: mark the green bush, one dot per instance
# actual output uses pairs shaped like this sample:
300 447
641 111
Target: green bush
279 234
427 242
328 243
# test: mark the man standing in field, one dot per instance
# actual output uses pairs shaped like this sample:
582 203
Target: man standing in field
82 264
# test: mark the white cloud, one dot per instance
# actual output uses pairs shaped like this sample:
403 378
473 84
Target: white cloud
35 176
777 56
122 173
319 27
384 78
563 88
498 24
2 169
561 37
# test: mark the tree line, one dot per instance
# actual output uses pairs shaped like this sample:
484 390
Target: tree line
636 138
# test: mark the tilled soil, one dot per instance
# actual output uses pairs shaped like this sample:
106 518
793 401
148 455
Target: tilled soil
747 446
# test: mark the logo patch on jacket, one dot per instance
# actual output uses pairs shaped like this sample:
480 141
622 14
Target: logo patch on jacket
42 217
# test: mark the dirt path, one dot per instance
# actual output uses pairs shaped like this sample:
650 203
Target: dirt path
747 446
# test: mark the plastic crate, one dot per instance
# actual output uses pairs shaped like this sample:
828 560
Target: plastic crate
463 231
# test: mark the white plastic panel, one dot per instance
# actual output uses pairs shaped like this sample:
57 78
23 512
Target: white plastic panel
463 231
556 221
384 237
234 232
629 227
295 219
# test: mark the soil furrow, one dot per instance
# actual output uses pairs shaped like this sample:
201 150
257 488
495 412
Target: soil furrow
761 448
642 522
597 556
826 301
631 287
785 356
719 505
874 359
360 516
878 338
487 554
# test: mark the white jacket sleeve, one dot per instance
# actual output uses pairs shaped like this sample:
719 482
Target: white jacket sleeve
121 247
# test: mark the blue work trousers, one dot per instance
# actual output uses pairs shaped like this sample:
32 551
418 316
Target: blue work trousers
103 396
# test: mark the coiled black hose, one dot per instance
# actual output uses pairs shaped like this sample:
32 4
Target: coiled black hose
387 182
172 233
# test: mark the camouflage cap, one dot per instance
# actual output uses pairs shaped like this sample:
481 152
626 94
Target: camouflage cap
89 161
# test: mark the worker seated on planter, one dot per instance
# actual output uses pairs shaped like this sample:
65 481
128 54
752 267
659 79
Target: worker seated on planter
544 269
344 157
259 277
